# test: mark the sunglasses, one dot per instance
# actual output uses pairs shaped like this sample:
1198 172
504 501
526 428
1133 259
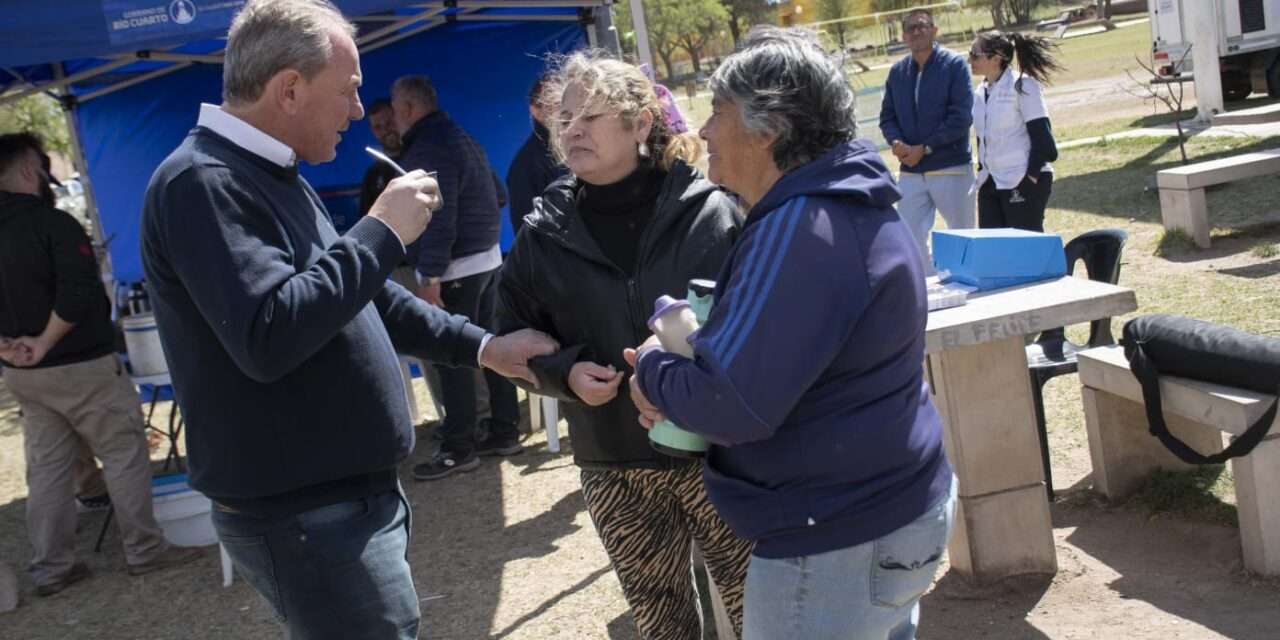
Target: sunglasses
917 27
976 55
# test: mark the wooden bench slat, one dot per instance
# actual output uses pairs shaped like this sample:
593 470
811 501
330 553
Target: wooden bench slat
1222 170
1227 408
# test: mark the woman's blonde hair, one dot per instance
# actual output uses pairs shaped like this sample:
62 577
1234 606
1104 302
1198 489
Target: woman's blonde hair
623 89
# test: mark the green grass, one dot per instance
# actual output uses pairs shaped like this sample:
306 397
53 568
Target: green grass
1196 494
1265 250
1174 242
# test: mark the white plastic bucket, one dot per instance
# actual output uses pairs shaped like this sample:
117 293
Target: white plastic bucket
182 512
142 341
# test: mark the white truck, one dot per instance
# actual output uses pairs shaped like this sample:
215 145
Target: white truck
1248 42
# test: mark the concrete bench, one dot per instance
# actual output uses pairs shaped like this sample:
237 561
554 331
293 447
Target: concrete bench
1124 452
1182 201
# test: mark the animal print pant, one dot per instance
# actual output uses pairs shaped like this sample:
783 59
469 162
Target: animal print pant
647 520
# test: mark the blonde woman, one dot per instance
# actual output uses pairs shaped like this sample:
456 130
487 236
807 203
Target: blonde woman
632 221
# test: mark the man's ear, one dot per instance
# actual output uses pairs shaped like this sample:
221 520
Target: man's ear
288 90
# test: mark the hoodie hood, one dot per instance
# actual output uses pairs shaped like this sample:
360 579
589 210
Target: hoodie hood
851 170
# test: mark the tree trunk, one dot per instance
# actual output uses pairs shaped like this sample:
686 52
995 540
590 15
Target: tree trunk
669 64
695 55
734 30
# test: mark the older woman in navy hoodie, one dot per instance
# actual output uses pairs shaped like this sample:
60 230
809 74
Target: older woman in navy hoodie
806 378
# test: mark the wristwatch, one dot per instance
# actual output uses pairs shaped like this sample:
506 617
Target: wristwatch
928 149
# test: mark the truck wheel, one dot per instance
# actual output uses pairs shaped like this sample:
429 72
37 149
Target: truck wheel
1235 86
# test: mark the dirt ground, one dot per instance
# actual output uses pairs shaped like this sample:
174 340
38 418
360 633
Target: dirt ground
508 551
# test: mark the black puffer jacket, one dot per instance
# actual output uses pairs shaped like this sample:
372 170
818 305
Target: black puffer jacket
556 279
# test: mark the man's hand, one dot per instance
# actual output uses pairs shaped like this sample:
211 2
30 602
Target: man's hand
406 204
509 355
430 292
899 149
649 414
29 351
594 384
10 352
913 156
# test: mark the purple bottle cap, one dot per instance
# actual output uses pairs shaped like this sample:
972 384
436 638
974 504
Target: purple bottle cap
663 305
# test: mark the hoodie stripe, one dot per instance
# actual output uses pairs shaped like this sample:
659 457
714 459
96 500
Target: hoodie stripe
757 303
751 271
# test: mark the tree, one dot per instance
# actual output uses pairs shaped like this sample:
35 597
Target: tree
40 115
1007 13
670 21
834 10
701 26
1170 94
743 14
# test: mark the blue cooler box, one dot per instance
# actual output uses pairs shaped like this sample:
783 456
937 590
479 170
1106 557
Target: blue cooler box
996 258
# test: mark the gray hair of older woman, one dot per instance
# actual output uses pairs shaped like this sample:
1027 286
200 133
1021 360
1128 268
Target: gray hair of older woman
786 86
623 89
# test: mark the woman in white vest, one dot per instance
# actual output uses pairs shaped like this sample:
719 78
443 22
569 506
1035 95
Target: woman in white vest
1015 140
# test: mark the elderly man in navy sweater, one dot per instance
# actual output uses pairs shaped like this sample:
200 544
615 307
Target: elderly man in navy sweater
926 116
282 335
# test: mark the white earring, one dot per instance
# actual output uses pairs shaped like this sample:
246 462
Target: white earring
643 149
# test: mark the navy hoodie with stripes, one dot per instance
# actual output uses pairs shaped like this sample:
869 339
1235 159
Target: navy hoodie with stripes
807 375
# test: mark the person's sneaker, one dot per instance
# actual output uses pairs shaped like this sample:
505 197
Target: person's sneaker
91 504
499 445
444 464
77 573
171 557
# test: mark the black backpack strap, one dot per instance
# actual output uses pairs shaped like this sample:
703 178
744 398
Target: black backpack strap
1145 371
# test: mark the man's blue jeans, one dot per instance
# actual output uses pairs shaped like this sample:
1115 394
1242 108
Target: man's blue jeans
867 592
339 571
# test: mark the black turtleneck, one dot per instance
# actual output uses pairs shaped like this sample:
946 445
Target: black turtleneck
616 214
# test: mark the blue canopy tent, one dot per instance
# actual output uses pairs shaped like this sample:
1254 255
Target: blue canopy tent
132 73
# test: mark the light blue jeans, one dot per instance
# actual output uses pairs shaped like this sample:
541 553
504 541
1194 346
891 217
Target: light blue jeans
942 192
867 592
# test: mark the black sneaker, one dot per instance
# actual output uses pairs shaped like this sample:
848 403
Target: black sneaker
77 573
91 504
497 444
445 464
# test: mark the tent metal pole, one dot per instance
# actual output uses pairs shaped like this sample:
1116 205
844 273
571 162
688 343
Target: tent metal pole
642 33
63 81
107 274
397 25
132 81
401 36
521 4
513 18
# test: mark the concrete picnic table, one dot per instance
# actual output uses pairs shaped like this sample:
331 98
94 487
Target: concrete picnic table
976 367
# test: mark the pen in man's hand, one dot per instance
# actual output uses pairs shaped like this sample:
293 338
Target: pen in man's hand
378 155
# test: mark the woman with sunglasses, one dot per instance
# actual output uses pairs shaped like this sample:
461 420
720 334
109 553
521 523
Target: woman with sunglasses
1015 139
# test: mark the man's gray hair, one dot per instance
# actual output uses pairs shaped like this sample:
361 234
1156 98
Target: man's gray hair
786 85
269 36
417 89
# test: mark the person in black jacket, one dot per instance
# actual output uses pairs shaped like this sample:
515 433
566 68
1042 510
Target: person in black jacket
60 364
534 167
633 222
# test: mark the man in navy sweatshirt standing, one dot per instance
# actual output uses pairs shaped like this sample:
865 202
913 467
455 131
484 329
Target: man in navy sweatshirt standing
281 335
925 117
456 263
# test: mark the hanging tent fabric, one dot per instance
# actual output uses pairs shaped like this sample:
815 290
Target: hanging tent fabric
134 72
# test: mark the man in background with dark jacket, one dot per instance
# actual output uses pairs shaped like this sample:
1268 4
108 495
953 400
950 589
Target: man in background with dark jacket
60 364
457 260
383 125
925 117
533 168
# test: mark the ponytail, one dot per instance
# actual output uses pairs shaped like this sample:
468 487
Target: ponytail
1033 54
